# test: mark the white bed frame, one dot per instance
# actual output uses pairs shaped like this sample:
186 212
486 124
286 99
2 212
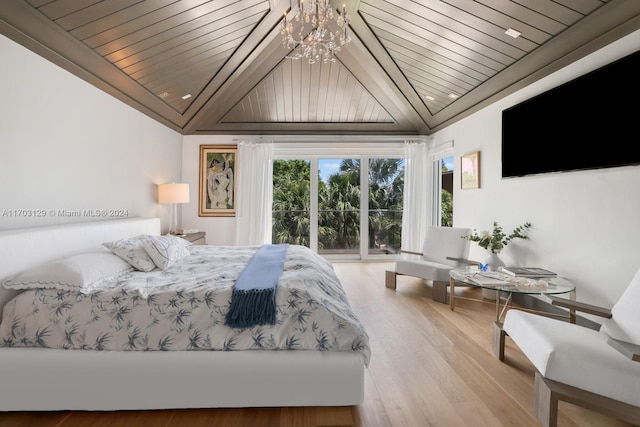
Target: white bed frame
35 379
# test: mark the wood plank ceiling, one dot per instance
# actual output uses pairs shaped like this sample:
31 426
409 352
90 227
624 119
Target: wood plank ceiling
413 66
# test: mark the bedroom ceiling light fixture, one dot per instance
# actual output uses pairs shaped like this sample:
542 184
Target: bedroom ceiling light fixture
513 33
173 194
308 33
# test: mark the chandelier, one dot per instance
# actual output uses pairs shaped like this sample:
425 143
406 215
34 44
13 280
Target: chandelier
309 34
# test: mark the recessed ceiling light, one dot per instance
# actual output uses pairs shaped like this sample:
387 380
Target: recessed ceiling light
163 94
429 97
453 96
513 33
187 96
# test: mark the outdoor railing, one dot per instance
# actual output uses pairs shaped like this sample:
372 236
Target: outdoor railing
339 230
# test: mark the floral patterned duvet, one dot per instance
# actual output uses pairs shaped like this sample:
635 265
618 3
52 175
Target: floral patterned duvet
184 307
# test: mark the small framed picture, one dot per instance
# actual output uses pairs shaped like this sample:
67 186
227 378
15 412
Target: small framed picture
470 170
217 189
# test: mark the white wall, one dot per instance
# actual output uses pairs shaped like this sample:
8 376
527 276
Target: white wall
67 146
585 224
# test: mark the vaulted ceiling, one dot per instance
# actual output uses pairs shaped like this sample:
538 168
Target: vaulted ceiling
412 67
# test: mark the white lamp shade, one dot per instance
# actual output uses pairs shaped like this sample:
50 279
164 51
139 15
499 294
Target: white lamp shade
173 193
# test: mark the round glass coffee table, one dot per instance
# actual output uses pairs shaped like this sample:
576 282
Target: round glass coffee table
506 286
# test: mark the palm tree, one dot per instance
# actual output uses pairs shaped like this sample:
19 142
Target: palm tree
291 202
291 205
386 185
338 204
339 211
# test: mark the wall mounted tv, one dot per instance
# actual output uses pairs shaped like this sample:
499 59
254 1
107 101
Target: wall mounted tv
591 122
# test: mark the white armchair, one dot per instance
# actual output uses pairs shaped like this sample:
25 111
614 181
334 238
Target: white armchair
444 248
598 370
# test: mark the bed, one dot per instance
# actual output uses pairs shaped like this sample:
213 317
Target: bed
200 375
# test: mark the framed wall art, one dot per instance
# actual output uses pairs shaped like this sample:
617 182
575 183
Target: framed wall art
470 170
217 189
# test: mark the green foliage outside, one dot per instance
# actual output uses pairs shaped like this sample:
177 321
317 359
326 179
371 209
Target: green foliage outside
291 202
446 209
446 200
339 204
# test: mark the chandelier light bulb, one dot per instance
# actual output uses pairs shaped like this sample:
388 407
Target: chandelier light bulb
308 33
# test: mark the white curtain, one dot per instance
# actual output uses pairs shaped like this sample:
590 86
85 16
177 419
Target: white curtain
255 193
414 213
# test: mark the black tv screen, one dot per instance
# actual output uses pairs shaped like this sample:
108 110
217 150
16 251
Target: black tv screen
590 122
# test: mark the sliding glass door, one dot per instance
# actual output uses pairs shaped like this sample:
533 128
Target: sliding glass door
385 197
339 210
291 209
346 207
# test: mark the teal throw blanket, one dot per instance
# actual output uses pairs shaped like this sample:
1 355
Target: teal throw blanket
253 301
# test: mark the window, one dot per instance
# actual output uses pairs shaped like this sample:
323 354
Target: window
443 166
347 207
386 194
339 193
446 192
291 202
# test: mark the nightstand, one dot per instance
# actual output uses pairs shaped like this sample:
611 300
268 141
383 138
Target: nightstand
199 238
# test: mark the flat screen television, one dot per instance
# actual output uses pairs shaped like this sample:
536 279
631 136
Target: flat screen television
591 122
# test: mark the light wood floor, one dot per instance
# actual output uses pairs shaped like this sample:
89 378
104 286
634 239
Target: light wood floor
429 367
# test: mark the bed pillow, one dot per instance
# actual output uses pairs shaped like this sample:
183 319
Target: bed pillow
132 251
166 250
78 272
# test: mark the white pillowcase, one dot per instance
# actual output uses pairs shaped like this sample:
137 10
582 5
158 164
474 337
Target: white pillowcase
166 250
132 251
78 272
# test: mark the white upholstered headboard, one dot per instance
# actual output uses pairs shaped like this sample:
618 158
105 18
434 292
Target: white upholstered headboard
25 248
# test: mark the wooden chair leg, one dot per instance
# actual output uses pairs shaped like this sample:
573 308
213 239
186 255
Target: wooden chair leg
390 279
545 403
439 292
498 340
547 394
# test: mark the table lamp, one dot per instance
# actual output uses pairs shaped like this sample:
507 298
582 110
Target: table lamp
173 194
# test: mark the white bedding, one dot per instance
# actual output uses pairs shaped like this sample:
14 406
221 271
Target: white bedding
183 308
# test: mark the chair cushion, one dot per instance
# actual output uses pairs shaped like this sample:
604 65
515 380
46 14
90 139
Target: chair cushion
423 269
574 355
443 242
625 320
